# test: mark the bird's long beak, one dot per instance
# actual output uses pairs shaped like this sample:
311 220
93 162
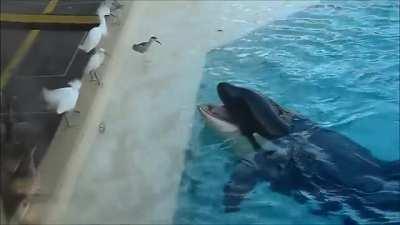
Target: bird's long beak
157 42
105 53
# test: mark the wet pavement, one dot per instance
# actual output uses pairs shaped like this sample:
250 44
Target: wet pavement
52 59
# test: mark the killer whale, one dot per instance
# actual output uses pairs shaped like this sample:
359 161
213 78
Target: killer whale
316 164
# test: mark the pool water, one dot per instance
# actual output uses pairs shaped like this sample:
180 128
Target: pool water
336 63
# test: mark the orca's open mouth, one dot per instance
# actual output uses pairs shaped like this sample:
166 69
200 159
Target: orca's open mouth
216 111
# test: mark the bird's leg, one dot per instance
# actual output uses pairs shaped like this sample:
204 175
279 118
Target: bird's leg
97 78
91 76
67 120
11 165
106 54
20 213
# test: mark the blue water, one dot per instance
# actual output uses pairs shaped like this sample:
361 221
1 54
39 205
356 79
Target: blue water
337 63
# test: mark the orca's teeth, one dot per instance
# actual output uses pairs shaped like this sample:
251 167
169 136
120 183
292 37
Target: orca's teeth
204 108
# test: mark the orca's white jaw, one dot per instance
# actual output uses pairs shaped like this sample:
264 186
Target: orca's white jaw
218 118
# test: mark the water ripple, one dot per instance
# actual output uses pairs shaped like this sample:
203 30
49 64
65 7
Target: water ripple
336 63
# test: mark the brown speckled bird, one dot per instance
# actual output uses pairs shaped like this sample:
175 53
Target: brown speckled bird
144 46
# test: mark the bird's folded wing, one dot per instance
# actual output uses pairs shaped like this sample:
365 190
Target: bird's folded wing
51 97
68 103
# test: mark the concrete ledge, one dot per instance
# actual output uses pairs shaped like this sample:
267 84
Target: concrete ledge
61 166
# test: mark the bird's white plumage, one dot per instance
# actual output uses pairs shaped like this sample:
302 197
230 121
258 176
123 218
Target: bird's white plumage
95 34
63 99
95 61
104 9
113 4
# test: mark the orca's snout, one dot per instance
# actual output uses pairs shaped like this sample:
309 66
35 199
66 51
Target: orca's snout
203 108
210 110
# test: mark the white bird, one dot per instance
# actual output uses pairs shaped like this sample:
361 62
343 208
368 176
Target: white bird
144 46
95 62
104 8
114 4
63 99
107 7
94 36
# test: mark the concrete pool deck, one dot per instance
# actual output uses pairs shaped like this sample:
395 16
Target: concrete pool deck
131 173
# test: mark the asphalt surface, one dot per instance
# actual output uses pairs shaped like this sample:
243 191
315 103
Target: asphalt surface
52 60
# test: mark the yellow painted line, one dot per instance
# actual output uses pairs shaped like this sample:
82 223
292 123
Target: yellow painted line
18 56
50 7
23 49
48 19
